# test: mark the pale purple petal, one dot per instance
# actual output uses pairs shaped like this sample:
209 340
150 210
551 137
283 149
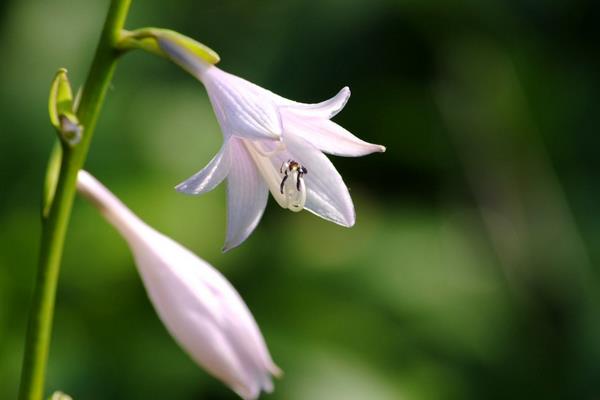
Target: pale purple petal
325 109
326 135
210 176
206 302
247 196
243 109
326 193
188 307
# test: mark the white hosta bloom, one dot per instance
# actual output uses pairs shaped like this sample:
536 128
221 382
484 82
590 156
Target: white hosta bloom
271 144
199 307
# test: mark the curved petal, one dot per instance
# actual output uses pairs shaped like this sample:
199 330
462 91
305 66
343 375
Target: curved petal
325 109
247 196
210 176
242 108
327 136
326 193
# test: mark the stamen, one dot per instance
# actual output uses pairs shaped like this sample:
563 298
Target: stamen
287 184
282 183
292 185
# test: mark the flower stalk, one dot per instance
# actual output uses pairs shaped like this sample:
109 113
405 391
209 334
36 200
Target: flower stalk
57 207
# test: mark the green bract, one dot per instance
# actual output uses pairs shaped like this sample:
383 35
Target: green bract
60 100
61 109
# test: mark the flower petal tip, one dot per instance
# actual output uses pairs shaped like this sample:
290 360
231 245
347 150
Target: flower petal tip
346 220
229 246
349 219
276 371
339 101
368 148
185 189
232 243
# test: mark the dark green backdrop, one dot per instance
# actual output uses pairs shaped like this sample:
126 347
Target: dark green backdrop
472 271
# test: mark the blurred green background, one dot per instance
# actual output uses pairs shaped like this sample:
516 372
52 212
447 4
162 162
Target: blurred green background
472 271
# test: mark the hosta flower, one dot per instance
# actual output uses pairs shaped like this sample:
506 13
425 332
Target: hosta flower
271 144
199 307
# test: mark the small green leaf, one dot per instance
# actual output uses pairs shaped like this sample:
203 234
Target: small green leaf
61 97
61 109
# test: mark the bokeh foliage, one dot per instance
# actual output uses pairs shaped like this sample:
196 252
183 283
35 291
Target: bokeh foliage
472 271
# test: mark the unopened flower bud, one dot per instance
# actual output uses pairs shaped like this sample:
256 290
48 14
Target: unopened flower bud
199 307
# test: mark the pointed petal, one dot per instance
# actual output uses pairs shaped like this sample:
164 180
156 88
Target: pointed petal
210 176
326 193
327 136
325 109
243 108
247 196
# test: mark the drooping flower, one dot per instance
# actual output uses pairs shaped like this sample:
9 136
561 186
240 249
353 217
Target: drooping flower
199 307
271 144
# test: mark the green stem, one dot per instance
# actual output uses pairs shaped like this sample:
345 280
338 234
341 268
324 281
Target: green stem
55 223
